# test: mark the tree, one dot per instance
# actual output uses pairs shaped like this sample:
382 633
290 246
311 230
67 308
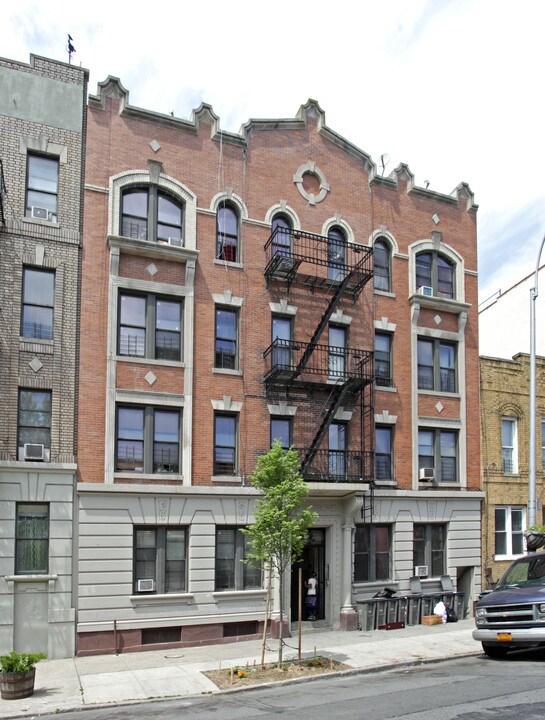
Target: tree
282 521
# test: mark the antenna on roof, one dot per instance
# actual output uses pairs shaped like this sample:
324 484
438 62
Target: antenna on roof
384 160
426 184
70 49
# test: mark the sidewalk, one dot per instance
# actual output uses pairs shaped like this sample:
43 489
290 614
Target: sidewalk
118 679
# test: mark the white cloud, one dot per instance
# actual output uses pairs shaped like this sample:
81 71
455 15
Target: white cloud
452 87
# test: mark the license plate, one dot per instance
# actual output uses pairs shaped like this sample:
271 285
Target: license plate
506 637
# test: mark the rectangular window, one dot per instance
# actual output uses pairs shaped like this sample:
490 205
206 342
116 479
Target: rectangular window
337 450
509 530
509 446
226 355
38 303
148 440
436 365
337 352
429 542
438 451
32 539
160 556
383 360
150 326
281 430
372 553
42 187
282 329
225 444
232 573
35 418
383 453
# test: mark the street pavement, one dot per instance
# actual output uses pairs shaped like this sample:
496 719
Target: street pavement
100 680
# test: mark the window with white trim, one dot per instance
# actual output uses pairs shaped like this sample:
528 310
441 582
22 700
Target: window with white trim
225 444
429 548
382 265
232 572
509 445
372 553
149 213
438 450
436 271
149 326
383 360
32 539
227 233
160 559
226 340
384 455
509 525
147 440
436 365
42 187
38 303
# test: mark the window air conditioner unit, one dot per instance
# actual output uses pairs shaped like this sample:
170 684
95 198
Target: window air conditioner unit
425 290
39 212
426 474
176 241
421 570
145 585
35 452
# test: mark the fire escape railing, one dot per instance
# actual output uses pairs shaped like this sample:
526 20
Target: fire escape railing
290 253
327 364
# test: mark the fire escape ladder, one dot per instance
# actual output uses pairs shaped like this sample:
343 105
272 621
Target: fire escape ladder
339 289
2 195
337 396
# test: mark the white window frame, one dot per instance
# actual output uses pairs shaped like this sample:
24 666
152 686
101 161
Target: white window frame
509 531
512 449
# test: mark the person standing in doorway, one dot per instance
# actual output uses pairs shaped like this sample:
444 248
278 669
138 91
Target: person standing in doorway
312 596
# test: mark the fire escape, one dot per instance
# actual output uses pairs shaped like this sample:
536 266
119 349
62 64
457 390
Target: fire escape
321 377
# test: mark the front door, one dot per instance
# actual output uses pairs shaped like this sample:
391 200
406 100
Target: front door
313 560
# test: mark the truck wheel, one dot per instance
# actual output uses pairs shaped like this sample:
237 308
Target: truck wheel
495 651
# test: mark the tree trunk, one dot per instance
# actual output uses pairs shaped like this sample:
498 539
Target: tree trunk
281 630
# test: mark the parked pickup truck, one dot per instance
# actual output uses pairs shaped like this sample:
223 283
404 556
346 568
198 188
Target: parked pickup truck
512 616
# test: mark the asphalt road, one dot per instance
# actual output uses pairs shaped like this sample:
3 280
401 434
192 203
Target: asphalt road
476 688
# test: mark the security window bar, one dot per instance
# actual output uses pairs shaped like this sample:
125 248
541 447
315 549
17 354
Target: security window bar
429 548
435 271
34 426
149 326
225 444
381 260
38 303
227 234
383 453
226 356
372 553
32 539
232 572
160 556
150 214
438 450
148 440
436 365
383 360
509 523
42 187
509 446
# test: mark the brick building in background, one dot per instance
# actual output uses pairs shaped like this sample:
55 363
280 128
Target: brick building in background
505 432
229 298
42 131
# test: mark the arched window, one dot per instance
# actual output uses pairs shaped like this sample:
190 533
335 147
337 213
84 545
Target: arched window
150 214
381 258
336 254
227 240
435 271
281 236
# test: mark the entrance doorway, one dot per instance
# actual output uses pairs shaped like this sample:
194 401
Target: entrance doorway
312 560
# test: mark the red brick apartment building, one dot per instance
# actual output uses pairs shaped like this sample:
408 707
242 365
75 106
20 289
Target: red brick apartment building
234 290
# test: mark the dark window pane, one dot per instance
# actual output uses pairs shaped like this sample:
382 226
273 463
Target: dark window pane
423 270
227 234
445 278
281 430
281 236
130 442
225 445
175 561
381 258
226 337
225 559
43 173
336 254
35 417
32 539
166 441
37 322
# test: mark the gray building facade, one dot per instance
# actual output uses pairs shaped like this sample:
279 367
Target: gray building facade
42 144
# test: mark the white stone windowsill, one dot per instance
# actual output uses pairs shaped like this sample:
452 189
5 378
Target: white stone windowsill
386 388
439 393
148 476
228 263
239 594
166 598
226 371
232 479
385 293
30 578
150 361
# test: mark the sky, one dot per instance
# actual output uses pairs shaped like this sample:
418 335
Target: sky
453 88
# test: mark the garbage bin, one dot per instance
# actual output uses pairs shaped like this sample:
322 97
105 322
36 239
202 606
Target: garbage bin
459 604
428 603
382 609
403 609
414 609
392 609
367 614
